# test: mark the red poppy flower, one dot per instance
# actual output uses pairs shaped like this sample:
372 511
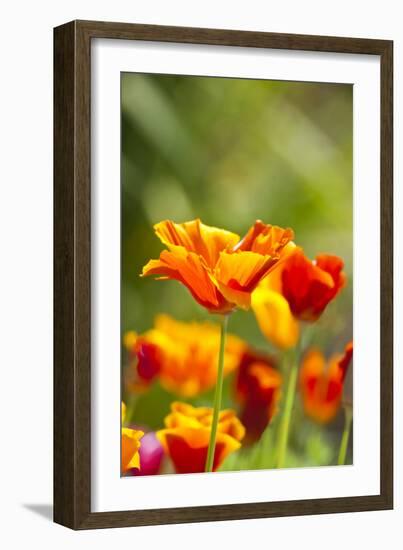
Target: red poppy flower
308 286
258 387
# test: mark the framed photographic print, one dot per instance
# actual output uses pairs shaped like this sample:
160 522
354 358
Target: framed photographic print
223 275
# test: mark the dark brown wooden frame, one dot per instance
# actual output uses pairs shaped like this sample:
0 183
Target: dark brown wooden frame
72 290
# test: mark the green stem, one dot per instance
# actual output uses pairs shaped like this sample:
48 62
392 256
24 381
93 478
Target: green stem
348 416
217 395
286 418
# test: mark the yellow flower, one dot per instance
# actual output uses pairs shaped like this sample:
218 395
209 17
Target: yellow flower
274 316
220 270
184 355
186 436
130 445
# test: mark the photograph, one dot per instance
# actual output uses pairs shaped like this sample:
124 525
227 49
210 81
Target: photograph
236 274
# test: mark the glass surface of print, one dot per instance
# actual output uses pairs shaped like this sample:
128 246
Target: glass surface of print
236 300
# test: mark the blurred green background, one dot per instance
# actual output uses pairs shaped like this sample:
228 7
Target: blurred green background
231 151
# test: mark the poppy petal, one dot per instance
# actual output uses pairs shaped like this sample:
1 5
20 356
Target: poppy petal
187 434
310 286
130 447
238 275
187 268
197 237
274 317
321 386
265 239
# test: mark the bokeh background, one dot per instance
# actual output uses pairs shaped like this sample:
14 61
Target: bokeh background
231 151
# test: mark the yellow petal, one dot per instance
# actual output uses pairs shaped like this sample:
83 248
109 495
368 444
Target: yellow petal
274 317
238 297
238 274
130 446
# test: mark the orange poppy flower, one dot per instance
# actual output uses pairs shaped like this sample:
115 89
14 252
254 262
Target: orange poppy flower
322 384
183 355
220 270
186 437
258 388
130 446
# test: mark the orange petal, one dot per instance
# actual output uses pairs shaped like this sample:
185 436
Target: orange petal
229 424
321 387
189 269
265 239
225 445
190 411
267 377
313 364
186 356
238 275
196 237
130 447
